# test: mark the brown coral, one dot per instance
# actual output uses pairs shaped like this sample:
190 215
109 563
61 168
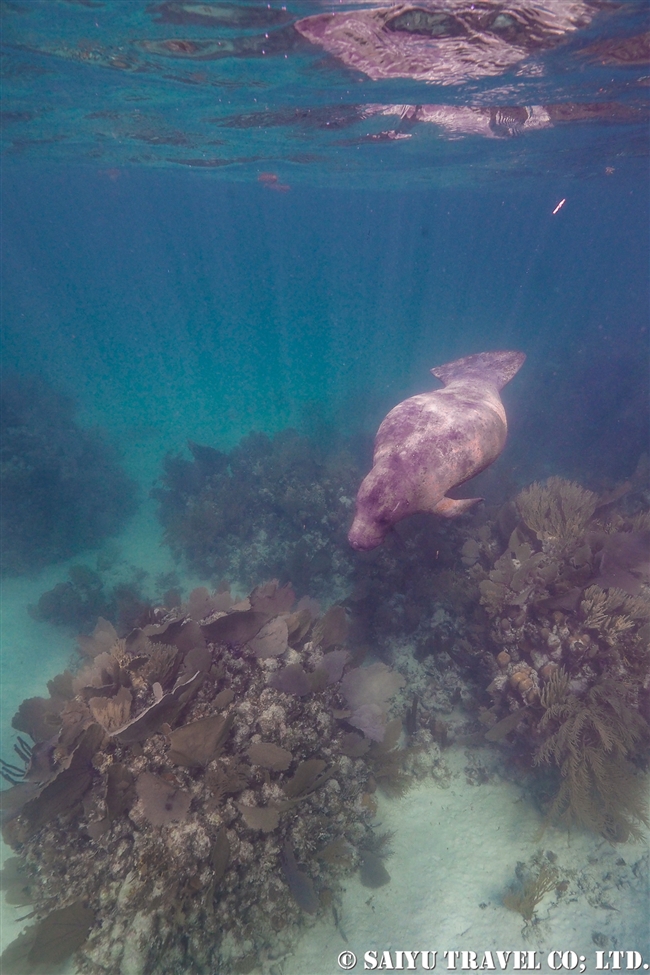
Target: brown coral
558 510
591 742
530 888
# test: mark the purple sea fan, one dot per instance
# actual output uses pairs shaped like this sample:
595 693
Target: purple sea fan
292 680
367 691
625 562
162 803
333 664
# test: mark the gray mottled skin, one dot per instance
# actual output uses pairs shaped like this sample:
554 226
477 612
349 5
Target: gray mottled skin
432 442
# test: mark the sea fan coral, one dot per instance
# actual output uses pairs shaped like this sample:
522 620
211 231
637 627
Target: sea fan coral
368 690
162 802
164 808
558 509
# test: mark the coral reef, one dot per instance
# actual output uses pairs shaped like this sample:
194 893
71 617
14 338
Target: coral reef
589 740
557 579
414 576
558 509
269 507
77 602
62 488
218 763
218 809
570 663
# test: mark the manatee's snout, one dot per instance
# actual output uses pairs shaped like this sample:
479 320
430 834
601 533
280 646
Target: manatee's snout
364 535
374 511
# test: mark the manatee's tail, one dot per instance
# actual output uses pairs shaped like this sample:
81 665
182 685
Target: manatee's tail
496 368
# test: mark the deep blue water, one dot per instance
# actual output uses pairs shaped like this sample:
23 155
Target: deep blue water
207 309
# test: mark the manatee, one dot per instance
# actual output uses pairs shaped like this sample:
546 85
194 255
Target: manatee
432 442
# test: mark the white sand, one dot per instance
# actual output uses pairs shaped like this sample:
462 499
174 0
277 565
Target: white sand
455 852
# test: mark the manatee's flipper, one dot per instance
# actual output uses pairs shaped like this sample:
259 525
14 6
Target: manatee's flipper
449 508
496 368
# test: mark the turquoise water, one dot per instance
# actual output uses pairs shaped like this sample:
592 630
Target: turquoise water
214 224
206 309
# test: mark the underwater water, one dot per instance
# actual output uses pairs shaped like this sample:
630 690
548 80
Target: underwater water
234 237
